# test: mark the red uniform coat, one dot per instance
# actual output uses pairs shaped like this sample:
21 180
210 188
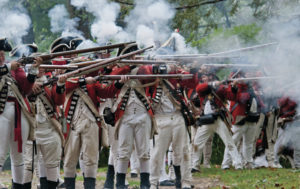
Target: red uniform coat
126 70
55 97
94 90
287 107
225 92
242 98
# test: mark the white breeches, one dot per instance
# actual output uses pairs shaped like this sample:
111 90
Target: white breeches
134 128
247 133
85 140
7 120
171 129
219 127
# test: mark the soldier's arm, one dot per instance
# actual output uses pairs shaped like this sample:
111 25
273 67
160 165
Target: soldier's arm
59 92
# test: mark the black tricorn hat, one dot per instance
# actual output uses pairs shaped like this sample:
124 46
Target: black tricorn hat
23 50
66 43
127 49
4 45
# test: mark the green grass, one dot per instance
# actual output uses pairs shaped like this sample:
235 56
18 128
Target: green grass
257 178
236 179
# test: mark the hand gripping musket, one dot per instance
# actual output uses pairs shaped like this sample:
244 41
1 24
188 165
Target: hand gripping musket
145 77
132 62
45 57
96 66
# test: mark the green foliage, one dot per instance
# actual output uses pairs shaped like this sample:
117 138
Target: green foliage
217 150
38 10
245 33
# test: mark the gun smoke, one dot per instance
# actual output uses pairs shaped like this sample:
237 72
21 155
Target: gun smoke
14 21
61 22
104 27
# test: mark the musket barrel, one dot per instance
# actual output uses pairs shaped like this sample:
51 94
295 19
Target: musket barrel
231 65
53 67
94 49
253 78
86 63
101 64
243 49
145 77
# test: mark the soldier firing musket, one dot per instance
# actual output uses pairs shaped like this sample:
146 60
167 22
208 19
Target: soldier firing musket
45 57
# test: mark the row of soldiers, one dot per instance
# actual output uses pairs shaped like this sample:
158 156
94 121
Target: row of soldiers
74 117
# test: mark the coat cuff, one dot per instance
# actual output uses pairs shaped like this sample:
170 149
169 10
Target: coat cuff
118 85
81 81
31 77
5 69
60 89
234 89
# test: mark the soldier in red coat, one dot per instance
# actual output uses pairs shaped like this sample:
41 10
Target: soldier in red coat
48 133
135 123
287 142
197 103
169 104
215 117
14 112
246 112
84 126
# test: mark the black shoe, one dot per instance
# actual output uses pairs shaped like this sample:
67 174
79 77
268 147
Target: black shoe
43 183
27 185
166 183
121 181
89 183
145 182
178 176
51 184
70 183
110 176
133 175
61 185
17 186
195 170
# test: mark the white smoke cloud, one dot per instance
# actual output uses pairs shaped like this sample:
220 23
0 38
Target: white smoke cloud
149 15
60 21
14 22
87 44
104 27
145 35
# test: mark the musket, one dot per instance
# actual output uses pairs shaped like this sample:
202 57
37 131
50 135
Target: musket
133 62
96 66
212 56
145 77
251 79
231 65
244 49
53 67
189 58
45 57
